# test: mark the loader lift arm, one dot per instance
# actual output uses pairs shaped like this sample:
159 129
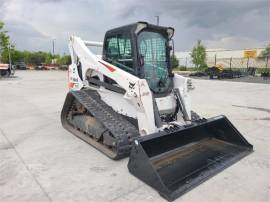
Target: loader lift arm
137 90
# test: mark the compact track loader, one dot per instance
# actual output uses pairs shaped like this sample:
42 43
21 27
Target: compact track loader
128 102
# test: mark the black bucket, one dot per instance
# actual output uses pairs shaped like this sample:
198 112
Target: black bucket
174 163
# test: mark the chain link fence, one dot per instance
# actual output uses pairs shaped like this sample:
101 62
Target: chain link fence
241 63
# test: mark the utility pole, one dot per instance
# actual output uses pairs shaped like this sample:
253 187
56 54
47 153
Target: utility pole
231 64
53 47
9 56
157 16
52 51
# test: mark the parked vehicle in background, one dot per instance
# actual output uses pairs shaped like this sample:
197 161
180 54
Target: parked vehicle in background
265 75
63 67
218 72
39 67
30 67
43 66
20 65
6 70
51 66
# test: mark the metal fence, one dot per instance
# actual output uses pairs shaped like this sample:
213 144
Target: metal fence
241 63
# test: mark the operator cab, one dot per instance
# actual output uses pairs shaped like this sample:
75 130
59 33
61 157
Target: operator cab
143 50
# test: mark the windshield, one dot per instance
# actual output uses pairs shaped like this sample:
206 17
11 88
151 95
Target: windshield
152 50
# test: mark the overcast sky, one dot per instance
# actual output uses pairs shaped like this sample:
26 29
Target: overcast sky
235 24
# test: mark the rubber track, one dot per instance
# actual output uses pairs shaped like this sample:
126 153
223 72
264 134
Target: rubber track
121 129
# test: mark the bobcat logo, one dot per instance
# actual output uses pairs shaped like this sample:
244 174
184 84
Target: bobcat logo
131 85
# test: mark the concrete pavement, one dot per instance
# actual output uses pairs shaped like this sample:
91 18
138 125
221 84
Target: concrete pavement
40 161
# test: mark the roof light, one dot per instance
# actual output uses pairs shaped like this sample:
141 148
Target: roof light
140 26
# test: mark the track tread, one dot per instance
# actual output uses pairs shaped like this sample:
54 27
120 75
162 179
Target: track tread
121 129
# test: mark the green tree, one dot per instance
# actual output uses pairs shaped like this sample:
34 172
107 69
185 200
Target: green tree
265 52
16 55
198 55
66 60
174 62
26 56
48 59
4 44
36 58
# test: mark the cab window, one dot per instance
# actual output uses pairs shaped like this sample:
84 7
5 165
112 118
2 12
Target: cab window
119 52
